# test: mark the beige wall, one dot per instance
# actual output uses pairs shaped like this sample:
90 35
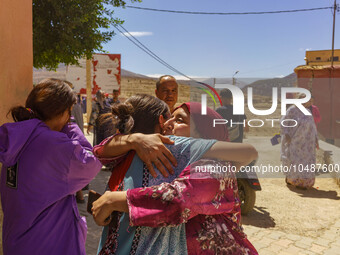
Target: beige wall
16 57
321 57
16 53
132 86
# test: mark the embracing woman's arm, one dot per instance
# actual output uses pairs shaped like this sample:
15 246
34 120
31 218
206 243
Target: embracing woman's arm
150 149
241 154
169 203
106 204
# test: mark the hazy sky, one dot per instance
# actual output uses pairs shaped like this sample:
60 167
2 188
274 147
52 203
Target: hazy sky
270 45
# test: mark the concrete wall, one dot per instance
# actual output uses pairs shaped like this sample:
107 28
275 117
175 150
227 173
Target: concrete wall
16 57
321 57
324 84
132 86
186 93
16 53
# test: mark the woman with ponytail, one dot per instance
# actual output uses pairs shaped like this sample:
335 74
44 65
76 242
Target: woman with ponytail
151 214
45 161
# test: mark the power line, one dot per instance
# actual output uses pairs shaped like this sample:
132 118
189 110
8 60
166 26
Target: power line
229 13
148 51
144 48
151 53
154 56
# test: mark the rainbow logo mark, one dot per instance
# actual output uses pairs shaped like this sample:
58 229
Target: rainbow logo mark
210 94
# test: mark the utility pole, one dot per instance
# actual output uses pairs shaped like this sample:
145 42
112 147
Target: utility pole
331 84
334 13
234 79
88 90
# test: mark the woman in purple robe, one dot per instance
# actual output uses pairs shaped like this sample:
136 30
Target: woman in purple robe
45 161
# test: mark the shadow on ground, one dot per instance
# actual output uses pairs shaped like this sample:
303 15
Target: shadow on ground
259 217
315 193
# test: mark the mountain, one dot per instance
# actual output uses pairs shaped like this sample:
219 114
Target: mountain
264 87
43 73
260 87
211 81
60 73
126 73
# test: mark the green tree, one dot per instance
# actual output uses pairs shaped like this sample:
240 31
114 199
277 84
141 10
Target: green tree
66 30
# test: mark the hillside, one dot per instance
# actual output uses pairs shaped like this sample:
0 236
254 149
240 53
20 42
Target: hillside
60 73
264 87
128 74
40 74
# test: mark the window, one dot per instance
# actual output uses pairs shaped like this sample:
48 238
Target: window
317 58
336 58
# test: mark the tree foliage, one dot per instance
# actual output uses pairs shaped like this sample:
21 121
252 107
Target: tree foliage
66 30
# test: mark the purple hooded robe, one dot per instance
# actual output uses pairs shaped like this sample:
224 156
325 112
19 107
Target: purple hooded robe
42 170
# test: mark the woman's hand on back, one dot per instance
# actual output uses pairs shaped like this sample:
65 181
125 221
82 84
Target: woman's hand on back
152 151
150 148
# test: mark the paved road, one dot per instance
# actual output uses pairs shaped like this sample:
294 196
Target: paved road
284 221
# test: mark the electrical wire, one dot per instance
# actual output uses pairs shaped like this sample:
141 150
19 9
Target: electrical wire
140 45
161 61
229 13
158 59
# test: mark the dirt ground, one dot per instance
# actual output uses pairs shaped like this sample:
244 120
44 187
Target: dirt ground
300 212
263 103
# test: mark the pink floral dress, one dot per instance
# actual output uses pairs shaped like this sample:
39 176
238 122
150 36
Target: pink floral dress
208 203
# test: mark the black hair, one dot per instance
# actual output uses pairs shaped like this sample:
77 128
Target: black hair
226 93
158 83
48 99
138 114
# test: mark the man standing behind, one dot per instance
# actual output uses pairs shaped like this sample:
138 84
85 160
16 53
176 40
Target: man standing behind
167 90
226 111
114 99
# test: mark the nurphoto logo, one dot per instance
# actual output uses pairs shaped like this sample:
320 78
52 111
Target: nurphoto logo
238 103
